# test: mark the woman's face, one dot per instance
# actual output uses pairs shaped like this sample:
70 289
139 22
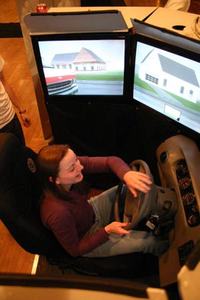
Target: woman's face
69 170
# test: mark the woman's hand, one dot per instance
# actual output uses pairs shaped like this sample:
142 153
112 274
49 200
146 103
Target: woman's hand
137 181
25 119
117 227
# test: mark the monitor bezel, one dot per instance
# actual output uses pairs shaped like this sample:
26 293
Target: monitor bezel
175 49
126 36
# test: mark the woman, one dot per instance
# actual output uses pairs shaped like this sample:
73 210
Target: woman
9 121
86 227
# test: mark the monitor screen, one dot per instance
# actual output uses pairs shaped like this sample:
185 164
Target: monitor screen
81 65
167 79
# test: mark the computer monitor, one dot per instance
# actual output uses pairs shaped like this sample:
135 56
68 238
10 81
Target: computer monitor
83 64
167 78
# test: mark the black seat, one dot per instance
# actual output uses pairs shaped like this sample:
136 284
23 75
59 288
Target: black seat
19 195
20 192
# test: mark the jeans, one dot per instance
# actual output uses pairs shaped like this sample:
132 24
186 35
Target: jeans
136 241
15 128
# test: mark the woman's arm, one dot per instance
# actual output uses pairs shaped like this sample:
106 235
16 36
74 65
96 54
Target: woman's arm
112 164
133 179
64 229
25 118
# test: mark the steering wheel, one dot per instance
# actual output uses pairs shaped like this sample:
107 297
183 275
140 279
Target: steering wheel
134 208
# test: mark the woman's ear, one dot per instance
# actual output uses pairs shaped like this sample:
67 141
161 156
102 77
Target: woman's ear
57 181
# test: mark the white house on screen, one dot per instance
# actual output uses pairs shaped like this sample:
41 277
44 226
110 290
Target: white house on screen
169 75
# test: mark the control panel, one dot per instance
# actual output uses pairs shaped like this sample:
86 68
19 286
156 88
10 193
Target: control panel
179 167
187 193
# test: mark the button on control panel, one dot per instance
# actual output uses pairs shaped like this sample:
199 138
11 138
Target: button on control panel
187 194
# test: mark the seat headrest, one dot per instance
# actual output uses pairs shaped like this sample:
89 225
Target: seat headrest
17 162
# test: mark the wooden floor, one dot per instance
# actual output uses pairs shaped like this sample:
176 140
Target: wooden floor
13 259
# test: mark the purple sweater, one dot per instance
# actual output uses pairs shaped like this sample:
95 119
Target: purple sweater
70 221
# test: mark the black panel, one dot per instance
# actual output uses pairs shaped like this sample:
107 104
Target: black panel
154 131
97 129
